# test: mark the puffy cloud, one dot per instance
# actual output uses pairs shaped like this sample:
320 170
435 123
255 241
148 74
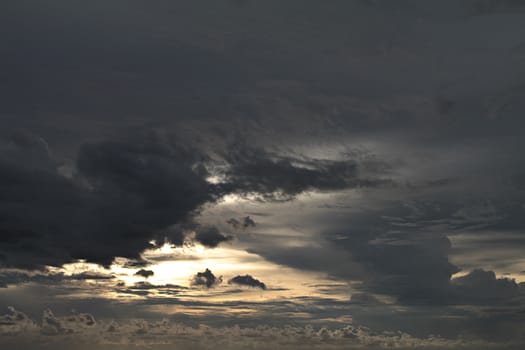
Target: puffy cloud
247 280
144 273
15 322
75 323
82 329
206 278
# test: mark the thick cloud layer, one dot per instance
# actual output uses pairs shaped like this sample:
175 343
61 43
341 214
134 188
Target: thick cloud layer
377 143
121 196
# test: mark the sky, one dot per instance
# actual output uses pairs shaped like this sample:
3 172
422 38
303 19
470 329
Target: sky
243 174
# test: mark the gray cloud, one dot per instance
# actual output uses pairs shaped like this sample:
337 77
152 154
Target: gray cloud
144 273
247 280
276 177
242 223
14 277
433 91
206 278
57 326
124 195
82 329
210 236
483 286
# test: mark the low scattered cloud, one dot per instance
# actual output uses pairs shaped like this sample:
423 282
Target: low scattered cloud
83 329
54 326
144 273
247 280
206 278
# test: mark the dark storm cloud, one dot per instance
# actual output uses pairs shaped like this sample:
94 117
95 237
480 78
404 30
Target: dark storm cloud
247 280
435 89
406 254
206 278
81 76
123 195
403 249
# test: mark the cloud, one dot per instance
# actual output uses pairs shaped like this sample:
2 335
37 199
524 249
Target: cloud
409 81
234 222
82 330
210 236
483 286
276 177
134 263
15 322
14 277
247 222
365 299
144 273
124 195
75 323
206 278
144 289
247 280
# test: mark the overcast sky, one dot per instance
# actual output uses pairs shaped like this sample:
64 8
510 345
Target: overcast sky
235 174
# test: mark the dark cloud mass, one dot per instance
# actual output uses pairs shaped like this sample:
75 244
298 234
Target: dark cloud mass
123 195
375 145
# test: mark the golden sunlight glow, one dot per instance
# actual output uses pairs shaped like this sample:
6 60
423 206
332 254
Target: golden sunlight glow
174 267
